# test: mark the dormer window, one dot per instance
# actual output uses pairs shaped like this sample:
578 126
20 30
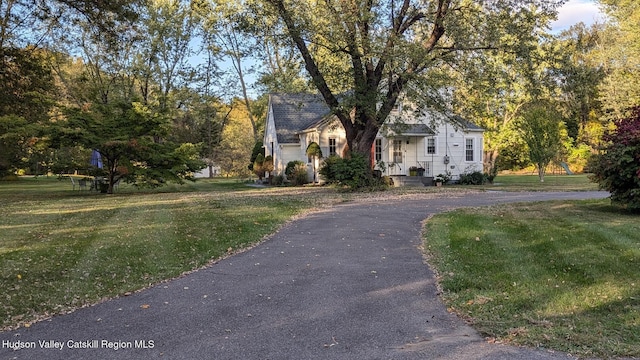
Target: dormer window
397 107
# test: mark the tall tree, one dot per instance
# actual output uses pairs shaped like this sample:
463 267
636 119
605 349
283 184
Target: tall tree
222 31
540 128
26 97
162 64
25 76
620 54
282 67
383 48
580 78
490 90
116 113
211 110
237 141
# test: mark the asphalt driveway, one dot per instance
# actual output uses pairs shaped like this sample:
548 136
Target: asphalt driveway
342 283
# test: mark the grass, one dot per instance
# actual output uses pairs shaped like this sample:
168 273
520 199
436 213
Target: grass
558 275
63 249
532 183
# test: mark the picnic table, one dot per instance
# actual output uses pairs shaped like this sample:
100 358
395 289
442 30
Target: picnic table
86 182
79 181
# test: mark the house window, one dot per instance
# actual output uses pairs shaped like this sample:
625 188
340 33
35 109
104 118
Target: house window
332 146
469 149
397 151
378 150
431 146
397 107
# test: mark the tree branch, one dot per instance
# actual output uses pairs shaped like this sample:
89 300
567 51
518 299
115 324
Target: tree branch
311 66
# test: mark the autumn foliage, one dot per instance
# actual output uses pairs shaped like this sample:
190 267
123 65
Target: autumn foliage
617 169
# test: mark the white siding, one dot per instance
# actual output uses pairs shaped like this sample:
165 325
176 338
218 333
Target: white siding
449 144
289 152
332 131
449 155
271 145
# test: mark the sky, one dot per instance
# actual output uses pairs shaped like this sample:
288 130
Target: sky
574 11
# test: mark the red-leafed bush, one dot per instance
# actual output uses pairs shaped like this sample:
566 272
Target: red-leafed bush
617 169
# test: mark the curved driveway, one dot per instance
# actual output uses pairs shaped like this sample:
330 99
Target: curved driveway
342 283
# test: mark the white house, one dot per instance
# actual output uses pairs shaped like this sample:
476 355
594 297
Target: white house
208 172
423 139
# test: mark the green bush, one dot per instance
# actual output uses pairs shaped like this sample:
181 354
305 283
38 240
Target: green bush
473 178
352 172
277 180
328 169
258 167
290 169
386 181
296 172
258 149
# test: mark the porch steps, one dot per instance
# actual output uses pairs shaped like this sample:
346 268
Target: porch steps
416 181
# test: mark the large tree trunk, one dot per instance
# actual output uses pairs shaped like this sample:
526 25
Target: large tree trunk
362 143
541 171
490 159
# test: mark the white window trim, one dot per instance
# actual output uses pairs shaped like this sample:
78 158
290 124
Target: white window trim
473 144
426 145
335 146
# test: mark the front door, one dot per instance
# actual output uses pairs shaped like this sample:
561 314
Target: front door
396 162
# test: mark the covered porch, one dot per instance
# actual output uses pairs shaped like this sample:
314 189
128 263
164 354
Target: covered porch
406 155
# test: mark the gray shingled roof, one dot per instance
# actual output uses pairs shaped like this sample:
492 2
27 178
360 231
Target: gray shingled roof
294 112
420 129
466 124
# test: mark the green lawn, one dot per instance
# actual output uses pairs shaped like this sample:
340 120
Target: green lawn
61 249
532 183
559 275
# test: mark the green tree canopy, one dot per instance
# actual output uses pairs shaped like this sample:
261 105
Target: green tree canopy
379 50
26 97
540 127
619 54
126 135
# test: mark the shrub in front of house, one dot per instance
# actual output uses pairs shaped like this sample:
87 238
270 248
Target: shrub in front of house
257 167
328 169
353 172
386 181
289 170
473 178
277 180
296 172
